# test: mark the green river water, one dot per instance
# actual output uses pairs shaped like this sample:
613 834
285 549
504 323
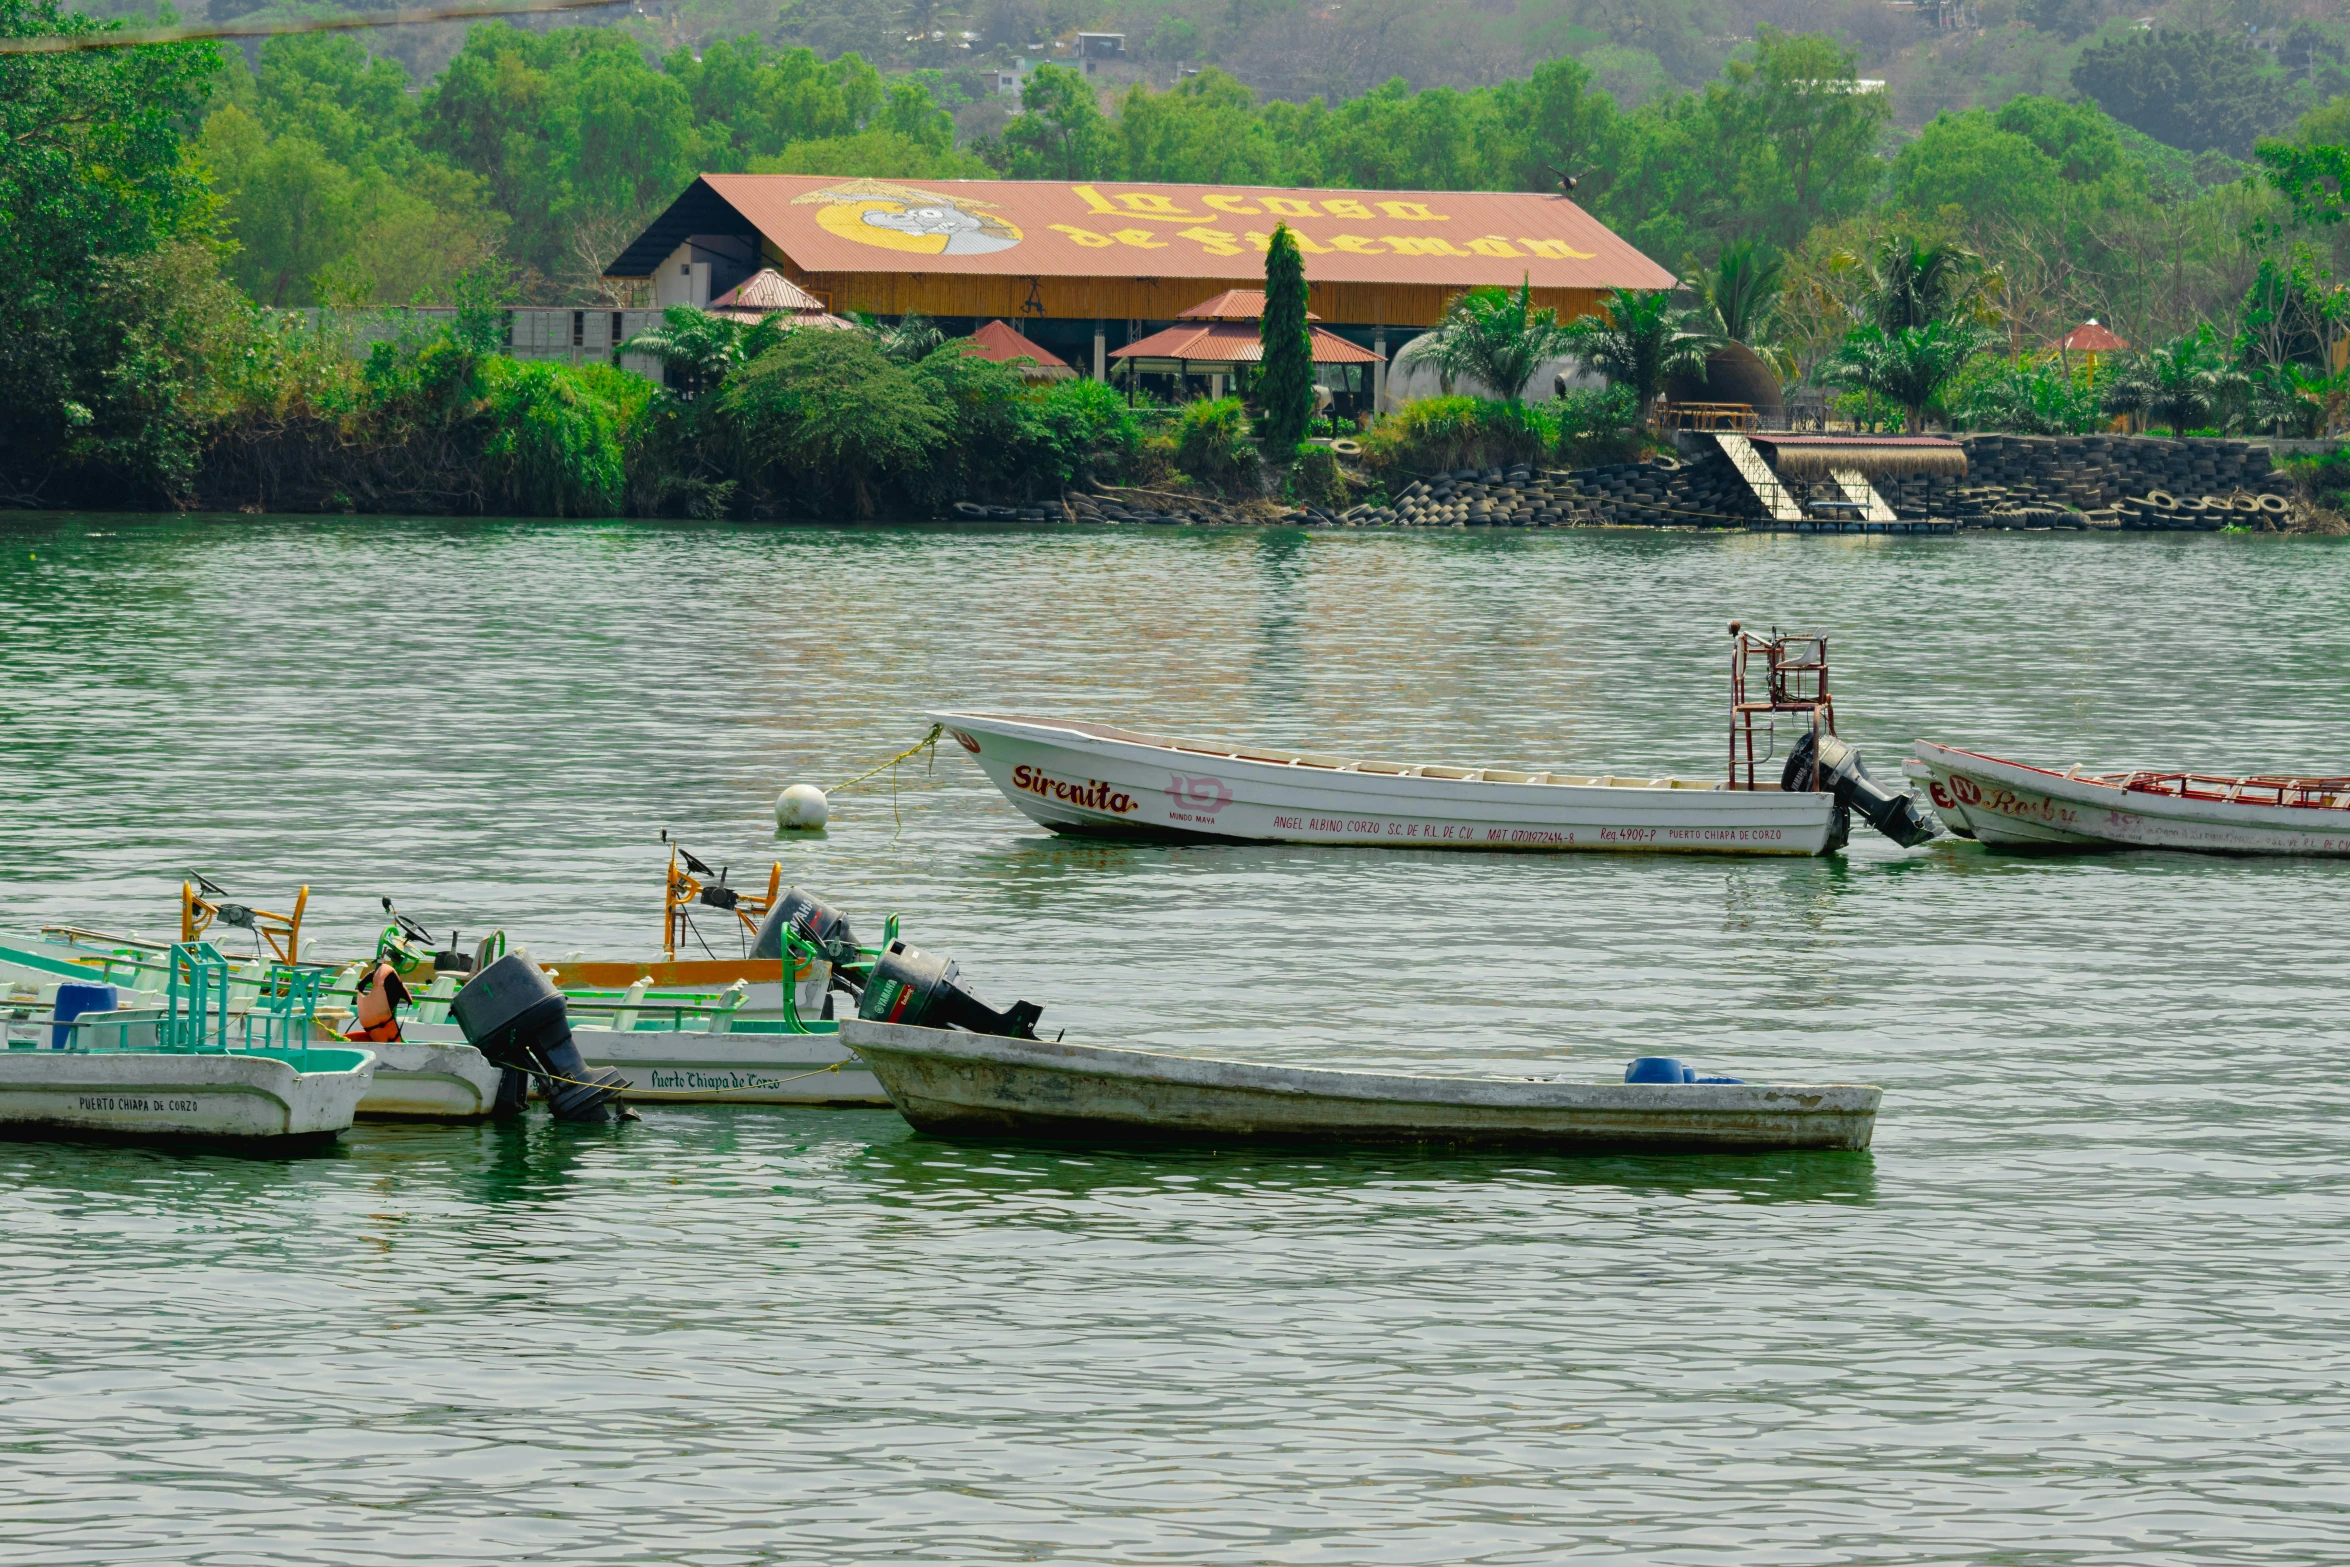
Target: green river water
2084 1302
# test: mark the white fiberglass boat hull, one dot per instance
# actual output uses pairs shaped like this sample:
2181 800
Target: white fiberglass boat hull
429 1080
2010 805
1091 779
241 1096
674 1068
956 1084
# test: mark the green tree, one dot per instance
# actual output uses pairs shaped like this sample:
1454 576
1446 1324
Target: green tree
1497 338
1907 282
2191 90
293 210
2180 384
1637 340
93 184
1285 391
1910 365
829 412
1061 133
574 133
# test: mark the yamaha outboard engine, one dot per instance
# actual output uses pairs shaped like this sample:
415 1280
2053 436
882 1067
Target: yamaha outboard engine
513 1014
912 987
818 924
1821 761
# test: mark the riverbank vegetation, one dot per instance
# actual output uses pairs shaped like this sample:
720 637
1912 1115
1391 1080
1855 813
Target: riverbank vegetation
163 207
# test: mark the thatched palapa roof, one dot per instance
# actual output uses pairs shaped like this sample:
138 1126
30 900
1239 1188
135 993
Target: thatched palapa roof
1895 456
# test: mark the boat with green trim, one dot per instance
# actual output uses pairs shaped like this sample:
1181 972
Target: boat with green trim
185 1071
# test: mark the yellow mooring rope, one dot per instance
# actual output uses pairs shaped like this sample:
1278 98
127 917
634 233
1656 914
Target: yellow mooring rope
929 740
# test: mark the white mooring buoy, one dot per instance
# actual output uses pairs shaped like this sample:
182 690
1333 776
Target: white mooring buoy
801 808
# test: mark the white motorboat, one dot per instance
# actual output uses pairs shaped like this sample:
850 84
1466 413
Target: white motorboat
184 1071
956 1084
2012 805
1092 779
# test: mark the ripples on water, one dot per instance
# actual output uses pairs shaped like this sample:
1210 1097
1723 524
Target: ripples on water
2083 1302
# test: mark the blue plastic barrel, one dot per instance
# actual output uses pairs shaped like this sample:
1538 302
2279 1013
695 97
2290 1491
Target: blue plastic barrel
76 998
1656 1069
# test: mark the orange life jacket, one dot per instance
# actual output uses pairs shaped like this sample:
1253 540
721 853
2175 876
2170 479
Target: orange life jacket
382 1033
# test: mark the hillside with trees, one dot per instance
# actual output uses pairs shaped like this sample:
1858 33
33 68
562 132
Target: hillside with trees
2172 182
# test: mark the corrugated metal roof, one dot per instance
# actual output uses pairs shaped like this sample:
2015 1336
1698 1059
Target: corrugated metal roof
1025 228
1234 304
768 289
1235 343
1000 344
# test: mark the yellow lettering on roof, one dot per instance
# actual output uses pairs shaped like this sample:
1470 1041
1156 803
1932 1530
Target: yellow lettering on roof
1150 204
1140 239
1346 207
1556 249
1405 245
1357 245
1289 207
1493 245
1232 204
1265 242
1412 212
1094 201
1086 237
1216 242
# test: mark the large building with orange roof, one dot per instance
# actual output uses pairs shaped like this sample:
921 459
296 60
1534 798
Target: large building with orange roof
1088 268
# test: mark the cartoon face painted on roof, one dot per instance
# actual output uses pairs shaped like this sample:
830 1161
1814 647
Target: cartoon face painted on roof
904 217
965 235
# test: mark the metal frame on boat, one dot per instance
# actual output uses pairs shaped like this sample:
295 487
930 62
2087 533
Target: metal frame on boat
954 1084
2014 805
189 1070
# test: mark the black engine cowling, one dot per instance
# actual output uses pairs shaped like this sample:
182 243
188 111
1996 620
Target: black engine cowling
915 988
1821 761
513 1014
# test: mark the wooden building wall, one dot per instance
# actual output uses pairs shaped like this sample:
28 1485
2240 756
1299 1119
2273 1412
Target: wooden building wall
1132 299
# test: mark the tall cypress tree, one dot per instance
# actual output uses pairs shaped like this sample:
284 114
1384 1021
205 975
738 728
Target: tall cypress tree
1285 394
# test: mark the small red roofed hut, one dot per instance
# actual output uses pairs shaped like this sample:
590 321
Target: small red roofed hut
768 292
999 344
2090 338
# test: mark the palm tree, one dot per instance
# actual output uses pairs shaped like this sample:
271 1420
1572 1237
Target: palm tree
2179 384
700 349
1740 296
1492 336
908 342
1912 365
1640 338
1907 283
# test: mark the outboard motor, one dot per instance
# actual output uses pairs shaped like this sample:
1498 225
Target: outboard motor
1821 761
912 987
513 1014
811 920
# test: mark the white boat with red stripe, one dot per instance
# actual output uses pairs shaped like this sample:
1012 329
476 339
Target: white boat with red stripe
2014 805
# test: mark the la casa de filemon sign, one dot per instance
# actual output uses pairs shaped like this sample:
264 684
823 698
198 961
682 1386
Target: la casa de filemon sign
908 218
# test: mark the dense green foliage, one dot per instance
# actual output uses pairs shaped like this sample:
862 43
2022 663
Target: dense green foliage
159 208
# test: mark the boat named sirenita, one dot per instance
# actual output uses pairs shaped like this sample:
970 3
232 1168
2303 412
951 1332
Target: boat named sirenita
1092 779
2016 806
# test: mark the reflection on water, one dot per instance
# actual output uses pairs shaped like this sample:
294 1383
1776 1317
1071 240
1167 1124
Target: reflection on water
2080 1304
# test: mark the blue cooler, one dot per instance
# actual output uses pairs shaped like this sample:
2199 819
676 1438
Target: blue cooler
75 998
